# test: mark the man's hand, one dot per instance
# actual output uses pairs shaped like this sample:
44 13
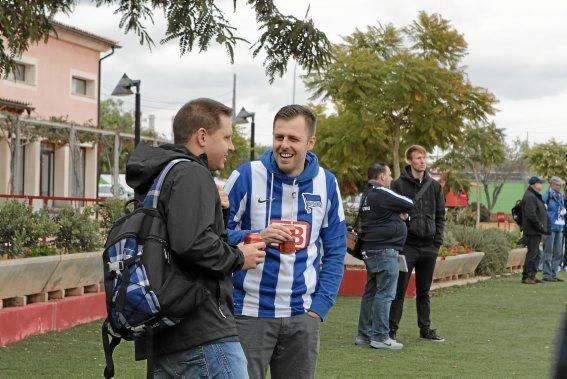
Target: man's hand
276 233
404 216
253 254
225 203
314 315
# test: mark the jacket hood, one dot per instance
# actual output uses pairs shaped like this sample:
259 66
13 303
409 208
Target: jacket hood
146 162
406 175
310 171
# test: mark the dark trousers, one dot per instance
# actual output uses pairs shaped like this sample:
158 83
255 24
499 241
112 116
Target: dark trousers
532 256
423 260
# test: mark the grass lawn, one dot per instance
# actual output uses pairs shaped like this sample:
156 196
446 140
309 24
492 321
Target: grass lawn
495 329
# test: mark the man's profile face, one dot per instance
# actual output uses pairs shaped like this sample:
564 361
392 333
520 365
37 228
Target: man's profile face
418 161
385 178
219 143
291 142
537 187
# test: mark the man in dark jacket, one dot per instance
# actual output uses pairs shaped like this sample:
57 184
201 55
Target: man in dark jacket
383 236
205 343
425 237
534 225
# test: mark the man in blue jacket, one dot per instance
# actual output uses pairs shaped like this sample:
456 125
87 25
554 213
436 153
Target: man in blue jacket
383 235
553 243
286 196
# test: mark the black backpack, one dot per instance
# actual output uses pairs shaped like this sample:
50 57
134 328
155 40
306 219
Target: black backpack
517 213
146 290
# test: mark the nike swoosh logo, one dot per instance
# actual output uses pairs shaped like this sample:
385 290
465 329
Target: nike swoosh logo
264 201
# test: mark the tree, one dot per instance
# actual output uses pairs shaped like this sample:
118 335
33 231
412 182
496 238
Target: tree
241 153
113 117
348 145
483 151
407 83
195 24
548 159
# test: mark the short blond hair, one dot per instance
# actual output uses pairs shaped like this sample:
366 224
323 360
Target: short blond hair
412 149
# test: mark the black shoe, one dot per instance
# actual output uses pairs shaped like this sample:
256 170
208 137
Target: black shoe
431 335
559 280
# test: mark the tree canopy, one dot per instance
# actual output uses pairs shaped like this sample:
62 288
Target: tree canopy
406 83
195 24
548 159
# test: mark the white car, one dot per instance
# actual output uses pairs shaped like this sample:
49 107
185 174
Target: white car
351 203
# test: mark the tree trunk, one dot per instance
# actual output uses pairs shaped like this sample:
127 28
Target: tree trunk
396 149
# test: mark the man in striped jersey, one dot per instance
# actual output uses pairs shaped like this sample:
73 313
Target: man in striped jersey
286 196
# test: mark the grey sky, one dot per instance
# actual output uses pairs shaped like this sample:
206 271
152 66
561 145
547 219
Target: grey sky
516 50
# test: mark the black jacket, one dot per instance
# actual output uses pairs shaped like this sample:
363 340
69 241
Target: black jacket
427 219
382 227
191 205
534 214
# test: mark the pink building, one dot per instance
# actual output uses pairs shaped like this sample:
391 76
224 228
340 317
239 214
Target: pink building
58 79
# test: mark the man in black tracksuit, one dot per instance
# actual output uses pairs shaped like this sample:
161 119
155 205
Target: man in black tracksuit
383 234
425 237
205 343
535 224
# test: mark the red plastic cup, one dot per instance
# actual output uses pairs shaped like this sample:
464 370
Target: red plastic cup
287 247
252 238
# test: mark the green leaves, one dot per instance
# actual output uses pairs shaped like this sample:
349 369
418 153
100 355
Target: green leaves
408 80
548 159
196 24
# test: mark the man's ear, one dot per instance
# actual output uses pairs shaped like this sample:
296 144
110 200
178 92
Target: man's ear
311 142
201 135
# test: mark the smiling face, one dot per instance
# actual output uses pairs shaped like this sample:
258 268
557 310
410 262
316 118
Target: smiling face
219 143
291 143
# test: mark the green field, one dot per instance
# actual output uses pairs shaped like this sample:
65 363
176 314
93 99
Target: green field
511 192
495 329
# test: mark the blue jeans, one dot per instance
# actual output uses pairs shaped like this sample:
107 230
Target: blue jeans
552 254
382 278
217 360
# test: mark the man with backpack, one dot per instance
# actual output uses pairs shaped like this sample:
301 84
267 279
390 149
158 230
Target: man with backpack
534 225
425 237
553 243
205 342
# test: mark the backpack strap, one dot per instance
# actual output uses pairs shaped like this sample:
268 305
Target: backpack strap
109 346
152 197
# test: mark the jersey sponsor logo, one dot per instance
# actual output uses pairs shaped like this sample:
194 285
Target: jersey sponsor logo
311 201
299 231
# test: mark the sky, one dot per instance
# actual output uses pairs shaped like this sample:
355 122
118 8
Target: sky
516 49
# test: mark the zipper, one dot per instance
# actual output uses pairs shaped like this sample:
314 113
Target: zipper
221 312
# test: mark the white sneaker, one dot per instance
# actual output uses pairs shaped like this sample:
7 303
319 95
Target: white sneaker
389 344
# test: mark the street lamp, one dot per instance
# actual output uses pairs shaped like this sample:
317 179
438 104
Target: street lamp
123 89
242 118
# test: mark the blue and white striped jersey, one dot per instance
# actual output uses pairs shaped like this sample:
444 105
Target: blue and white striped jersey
288 284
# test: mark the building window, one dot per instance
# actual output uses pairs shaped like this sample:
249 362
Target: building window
23 73
82 87
47 164
79 86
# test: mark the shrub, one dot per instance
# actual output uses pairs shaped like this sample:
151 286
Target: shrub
515 239
41 251
22 230
77 230
492 242
111 210
484 213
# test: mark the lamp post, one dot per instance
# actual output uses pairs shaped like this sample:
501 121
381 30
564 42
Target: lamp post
242 118
123 89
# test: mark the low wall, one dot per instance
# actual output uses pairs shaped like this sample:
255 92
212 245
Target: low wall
516 258
47 278
17 323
